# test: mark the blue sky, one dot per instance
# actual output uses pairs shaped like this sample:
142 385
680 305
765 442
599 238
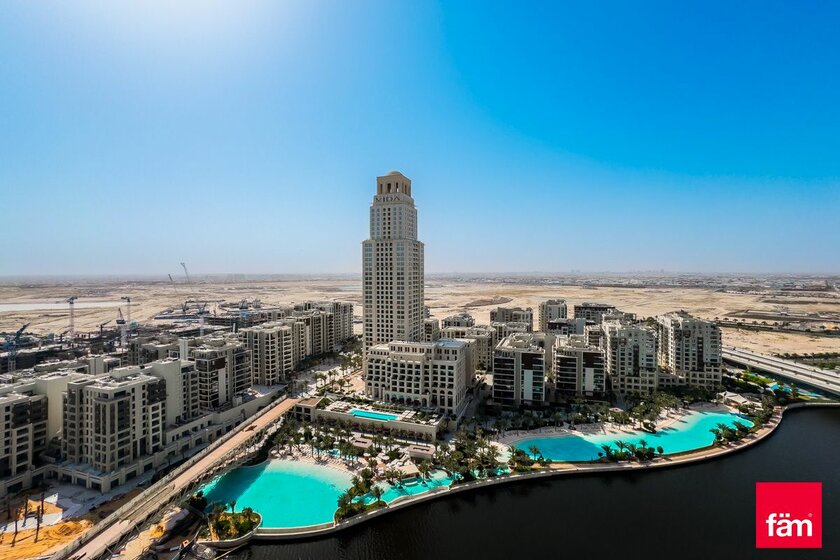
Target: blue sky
246 136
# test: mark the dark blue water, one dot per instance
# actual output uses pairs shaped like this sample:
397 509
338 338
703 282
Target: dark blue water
704 511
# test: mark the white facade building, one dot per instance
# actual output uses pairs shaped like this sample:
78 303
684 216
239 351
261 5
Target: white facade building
513 315
578 367
689 351
630 356
424 374
549 310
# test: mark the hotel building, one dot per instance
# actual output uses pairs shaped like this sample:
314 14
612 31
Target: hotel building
392 266
430 375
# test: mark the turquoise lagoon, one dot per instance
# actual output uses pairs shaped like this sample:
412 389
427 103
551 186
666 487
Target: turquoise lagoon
687 434
285 493
296 493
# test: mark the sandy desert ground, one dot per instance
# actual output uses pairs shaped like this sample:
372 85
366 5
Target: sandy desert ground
443 296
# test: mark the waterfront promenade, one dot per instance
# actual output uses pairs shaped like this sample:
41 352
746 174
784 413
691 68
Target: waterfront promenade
555 469
132 515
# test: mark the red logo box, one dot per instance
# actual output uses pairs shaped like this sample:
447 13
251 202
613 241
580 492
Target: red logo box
788 515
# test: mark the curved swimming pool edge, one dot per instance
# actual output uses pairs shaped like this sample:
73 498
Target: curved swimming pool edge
555 469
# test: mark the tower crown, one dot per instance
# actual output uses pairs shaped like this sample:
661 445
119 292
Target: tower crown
392 183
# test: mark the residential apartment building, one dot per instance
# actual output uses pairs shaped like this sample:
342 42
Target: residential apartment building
578 367
223 364
431 375
630 356
593 311
23 429
392 266
689 351
30 421
504 330
459 320
513 315
485 341
566 326
111 421
550 310
521 364
431 329
275 350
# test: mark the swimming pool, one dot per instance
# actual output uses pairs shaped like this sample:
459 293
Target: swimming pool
687 434
373 415
412 487
788 388
286 493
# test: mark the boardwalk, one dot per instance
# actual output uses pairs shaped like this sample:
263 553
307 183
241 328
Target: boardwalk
184 481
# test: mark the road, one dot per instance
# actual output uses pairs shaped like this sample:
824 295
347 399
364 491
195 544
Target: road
822 379
118 530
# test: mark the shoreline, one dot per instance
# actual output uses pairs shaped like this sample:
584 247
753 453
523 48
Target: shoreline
555 469
610 428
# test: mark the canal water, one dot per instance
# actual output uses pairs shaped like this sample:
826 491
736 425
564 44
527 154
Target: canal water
703 511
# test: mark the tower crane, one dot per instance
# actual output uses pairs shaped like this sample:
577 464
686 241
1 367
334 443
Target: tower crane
101 330
127 301
12 343
121 323
72 331
186 273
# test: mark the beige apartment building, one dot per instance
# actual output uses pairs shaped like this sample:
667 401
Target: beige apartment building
549 310
521 365
392 266
431 375
504 330
223 364
593 311
459 320
630 356
275 350
513 315
485 341
689 351
431 329
578 367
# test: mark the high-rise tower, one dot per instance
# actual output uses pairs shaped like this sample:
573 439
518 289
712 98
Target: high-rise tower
392 265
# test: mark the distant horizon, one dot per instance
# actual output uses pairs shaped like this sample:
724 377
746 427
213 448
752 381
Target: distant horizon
237 276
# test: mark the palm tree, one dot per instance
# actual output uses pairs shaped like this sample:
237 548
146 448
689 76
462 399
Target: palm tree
535 452
232 506
425 468
377 493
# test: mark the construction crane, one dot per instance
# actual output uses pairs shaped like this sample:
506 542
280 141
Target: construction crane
72 330
121 323
186 273
101 330
127 301
12 343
